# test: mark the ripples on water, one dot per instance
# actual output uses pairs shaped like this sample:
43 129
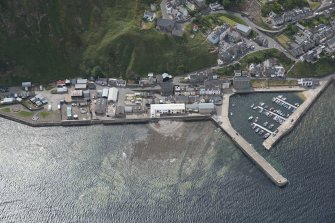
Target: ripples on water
134 174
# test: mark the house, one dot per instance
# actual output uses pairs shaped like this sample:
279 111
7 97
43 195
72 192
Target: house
233 36
165 25
307 82
213 38
244 30
215 6
260 40
331 45
26 85
277 20
310 56
153 7
213 87
102 81
279 71
149 16
60 83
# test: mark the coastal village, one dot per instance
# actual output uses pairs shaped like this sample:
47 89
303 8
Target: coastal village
199 95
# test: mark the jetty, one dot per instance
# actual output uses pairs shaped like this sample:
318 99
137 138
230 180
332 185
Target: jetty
222 120
259 126
289 123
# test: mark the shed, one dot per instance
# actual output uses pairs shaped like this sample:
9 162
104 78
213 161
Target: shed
113 94
26 84
206 108
128 109
69 112
105 93
80 86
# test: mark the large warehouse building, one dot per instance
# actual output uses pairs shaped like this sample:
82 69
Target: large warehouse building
156 110
113 94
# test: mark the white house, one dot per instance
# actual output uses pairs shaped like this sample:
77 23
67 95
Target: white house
149 16
156 110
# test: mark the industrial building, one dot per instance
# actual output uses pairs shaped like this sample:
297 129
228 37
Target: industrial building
100 106
105 93
113 95
156 110
69 112
206 108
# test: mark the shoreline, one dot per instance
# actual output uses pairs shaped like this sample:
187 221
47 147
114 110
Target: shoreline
103 122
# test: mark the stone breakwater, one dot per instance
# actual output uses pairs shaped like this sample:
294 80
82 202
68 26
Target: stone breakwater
291 122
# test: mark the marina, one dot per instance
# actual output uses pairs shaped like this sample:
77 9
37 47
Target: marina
222 120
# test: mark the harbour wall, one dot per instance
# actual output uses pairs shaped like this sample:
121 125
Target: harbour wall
301 111
125 121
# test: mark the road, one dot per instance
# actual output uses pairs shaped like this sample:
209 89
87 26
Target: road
163 10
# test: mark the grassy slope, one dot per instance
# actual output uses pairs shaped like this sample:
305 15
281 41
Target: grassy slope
260 56
76 36
323 67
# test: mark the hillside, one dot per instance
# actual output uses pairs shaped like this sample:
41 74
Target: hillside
46 41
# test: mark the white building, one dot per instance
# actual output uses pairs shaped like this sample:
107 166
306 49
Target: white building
156 110
113 94
105 93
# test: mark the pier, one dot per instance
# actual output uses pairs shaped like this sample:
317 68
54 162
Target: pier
222 120
289 124
265 129
285 102
275 114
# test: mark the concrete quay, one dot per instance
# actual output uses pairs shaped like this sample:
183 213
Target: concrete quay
222 120
124 121
289 124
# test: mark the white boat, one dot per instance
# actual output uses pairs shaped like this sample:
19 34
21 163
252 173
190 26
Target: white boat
280 96
265 124
250 118
254 108
252 105
262 103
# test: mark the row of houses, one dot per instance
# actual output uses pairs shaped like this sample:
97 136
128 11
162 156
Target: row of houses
306 40
268 68
290 16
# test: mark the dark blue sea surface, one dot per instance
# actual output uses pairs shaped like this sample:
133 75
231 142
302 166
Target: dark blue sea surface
171 172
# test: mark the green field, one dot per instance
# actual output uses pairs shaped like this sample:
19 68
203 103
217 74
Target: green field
283 40
314 5
5 109
25 114
262 83
321 68
91 38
